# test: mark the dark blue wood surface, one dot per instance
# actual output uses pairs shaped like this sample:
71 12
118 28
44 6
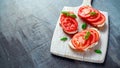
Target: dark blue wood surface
27 26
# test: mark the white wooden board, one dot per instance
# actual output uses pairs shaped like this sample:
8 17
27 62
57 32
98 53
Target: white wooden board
62 49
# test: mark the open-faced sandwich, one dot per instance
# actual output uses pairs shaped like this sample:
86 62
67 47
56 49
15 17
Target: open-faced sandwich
85 39
91 16
68 22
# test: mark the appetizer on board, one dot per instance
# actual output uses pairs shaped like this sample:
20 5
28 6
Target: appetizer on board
68 22
91 16
85 39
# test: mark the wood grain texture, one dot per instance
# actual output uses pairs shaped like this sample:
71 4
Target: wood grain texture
26 29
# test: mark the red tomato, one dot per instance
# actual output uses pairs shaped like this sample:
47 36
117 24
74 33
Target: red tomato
84 12
69 24
62 17
100 21
94 17
95 20
94 37
80 43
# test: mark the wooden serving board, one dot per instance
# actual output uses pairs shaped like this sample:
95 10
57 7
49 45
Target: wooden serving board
61 48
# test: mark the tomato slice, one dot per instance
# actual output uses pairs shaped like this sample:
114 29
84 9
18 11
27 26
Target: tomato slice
94 20
94 17
80 43
100 21
84 11
69 24
62 17
94 37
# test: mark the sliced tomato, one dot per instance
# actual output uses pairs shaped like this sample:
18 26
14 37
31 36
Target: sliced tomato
93 18
100 21
62 17
80 43
87 44
94 36
84 12
69 24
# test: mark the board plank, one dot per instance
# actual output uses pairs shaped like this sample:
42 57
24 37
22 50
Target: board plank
62 49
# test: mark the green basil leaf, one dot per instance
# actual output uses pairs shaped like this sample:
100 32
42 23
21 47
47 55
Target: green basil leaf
65 13
72 15
87 35
93 13
84 26
63 38
98 51
68 14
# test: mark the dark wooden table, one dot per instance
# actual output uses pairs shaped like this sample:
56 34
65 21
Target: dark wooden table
27 26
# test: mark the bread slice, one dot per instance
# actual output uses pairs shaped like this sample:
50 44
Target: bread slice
91 46
73 32
101 25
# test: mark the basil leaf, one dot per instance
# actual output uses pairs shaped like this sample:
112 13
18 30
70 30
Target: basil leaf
72 15
69 14
84 26
98 51
93 13
87 35
65 13
63 38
